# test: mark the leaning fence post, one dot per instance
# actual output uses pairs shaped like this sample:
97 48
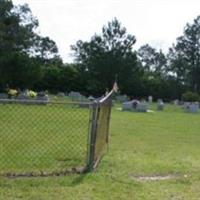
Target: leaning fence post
92 136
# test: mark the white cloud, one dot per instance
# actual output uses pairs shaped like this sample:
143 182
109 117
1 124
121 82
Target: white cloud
157 22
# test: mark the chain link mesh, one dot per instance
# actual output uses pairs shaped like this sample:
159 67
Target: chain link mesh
42 138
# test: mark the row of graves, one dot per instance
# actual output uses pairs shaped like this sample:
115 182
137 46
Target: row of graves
26 97
141 106
135 105
31 97
190 107
132 105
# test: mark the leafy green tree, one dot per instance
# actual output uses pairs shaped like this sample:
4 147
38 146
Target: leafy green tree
63 78
51 79
18 70
70 79
105 56
21 48
46 50
184 56
17 27
152 60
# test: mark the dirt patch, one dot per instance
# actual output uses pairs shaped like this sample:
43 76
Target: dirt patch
155 177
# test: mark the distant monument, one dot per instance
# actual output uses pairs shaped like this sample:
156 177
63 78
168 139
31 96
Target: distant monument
150 99
135 105
160 105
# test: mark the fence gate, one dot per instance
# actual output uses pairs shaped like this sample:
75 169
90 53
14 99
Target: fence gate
99 131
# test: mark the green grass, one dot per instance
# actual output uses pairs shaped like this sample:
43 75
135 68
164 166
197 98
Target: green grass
141 144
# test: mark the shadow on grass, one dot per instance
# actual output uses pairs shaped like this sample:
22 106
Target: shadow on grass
78 180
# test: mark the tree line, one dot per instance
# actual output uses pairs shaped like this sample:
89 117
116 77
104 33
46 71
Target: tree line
29 60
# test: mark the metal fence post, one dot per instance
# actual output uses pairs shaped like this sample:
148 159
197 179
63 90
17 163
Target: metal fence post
92 137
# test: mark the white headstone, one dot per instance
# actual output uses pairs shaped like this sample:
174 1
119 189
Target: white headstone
150 99
176 102
160 105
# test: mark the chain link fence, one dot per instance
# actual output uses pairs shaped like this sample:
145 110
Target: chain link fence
42 138
38 139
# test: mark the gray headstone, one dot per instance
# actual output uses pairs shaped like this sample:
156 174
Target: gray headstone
135 105
142 107
191 107
61 94
42 94
43 97
91 98
160 105
186 105
75 96
127 106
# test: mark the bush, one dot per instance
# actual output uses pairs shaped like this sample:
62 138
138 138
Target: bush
190 97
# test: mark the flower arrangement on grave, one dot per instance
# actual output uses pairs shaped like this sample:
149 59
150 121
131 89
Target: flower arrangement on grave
31 93
12 93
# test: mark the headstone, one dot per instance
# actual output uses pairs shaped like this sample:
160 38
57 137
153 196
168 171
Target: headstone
160 104
127 106
186 105
42 96
192 107
61 94
142 106
150 99
75 96
91 98
176 102
135 105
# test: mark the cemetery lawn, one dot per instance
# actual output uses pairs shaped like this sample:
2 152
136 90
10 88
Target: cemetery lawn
157 144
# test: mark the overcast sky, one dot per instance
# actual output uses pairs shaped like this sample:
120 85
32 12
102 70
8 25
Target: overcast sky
156 22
